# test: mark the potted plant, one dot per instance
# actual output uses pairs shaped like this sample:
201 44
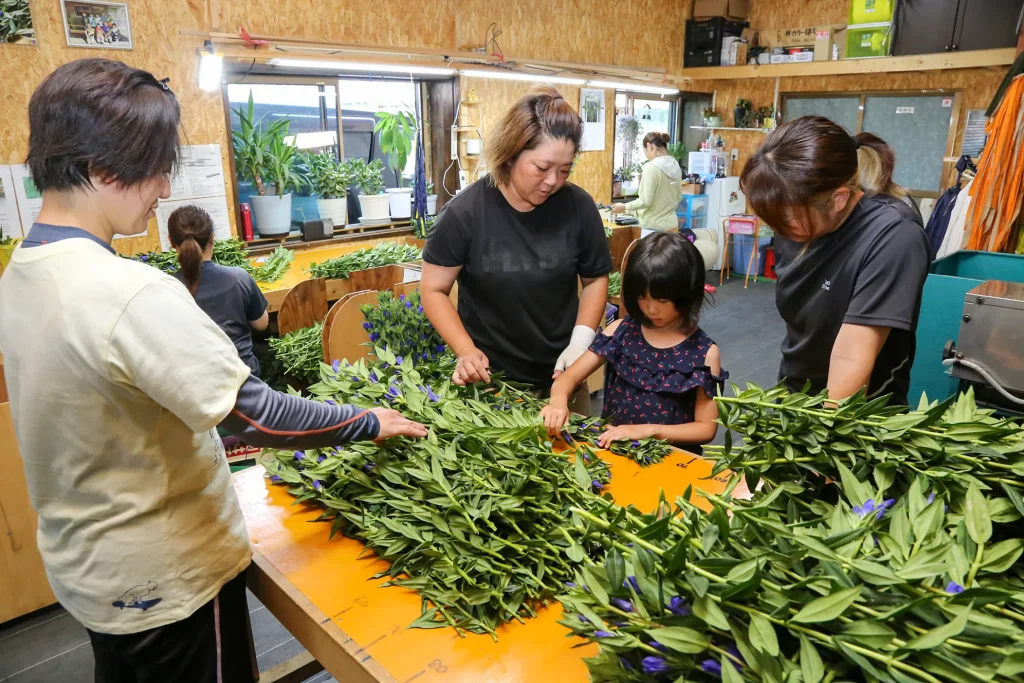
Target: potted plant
330 180
397 131
262 154
766 116
711 118
617 179
369 178
678 151
739 112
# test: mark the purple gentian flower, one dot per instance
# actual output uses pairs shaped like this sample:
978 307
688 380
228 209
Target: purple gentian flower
866 509
367 326
424 357
658 646
734 651
374 337
419 309
931 497
373 377
317 485
399 360
570 584
636 444
654 666
368 467
275 479
603 634
583 619
336 366
954 588
677 606
321 459
440 348
401 297
631 581
567 438
299 455
393 391
408 304
143 258
624 605
886 504
710 666
596 485
431 396
626 665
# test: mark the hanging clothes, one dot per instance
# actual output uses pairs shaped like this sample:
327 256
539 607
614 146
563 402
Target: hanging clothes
999 186
938 222
955 239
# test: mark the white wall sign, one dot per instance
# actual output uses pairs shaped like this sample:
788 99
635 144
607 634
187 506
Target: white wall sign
30 200
199 180
904 110
217 207
593 111
10 221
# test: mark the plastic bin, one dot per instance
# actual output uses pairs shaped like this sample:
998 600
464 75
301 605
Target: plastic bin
739 254
868 40
693 205
871 11
692 222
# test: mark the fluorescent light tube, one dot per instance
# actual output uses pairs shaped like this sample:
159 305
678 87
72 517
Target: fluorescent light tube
210 69
635 87
520 76
361 66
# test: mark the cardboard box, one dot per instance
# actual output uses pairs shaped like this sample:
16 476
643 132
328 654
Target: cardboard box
732 9
693 188
839 44
818 39
734 51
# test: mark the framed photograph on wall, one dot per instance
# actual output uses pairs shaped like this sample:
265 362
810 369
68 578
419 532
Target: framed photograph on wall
96 24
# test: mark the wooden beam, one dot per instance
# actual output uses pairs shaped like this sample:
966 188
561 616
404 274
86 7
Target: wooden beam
947 60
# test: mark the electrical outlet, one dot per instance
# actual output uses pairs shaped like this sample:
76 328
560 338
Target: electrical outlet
463 180
455 143
735 154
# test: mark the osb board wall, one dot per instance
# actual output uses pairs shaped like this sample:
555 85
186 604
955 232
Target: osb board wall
593 170
977 85
630 32
156 50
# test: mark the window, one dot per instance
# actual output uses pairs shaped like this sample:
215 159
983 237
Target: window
920 127
360 101
644 114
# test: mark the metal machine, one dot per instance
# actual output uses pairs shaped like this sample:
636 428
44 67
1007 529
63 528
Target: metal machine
990 352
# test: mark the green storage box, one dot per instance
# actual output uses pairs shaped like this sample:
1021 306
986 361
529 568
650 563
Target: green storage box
868 40
942 305
871 11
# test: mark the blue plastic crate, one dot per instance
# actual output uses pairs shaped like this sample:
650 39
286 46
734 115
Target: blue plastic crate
693 205
692 222
739 254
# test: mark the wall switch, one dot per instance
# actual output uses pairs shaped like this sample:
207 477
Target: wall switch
735 154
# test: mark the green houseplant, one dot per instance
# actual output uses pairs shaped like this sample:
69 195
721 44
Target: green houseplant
678 152
397 131
330 180
262 154
369 178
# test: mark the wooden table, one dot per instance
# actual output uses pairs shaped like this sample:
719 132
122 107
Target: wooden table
322 592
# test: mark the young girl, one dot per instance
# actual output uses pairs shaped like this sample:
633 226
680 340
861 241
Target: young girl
662 369
228 295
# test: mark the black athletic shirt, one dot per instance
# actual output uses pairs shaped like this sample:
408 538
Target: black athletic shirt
232 299
518 285
870 271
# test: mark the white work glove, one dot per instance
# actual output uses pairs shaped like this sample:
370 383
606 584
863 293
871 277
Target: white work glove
582 337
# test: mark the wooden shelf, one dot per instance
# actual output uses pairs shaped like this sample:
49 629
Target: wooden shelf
947 60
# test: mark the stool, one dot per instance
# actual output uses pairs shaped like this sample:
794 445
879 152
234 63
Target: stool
742 225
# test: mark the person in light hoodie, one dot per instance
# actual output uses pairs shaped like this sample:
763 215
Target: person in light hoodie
661 186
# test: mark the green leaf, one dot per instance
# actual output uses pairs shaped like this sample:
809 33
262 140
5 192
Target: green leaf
575 553
1014 496
940 634
708 611
729 672
1012 665
710 537
854 489
742 572
438 472
979 525
762 635
595 587
874 634
925 522
680 639
615 567
875 573
582 476
1001 556
827 608
811 666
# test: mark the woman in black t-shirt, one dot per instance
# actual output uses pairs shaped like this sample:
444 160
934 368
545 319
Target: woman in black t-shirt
517 242
850 266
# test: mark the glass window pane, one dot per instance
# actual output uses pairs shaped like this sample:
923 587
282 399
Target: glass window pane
360 101
843 110
655 116
917 128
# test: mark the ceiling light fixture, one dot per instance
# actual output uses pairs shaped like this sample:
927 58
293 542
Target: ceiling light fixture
520 76
634 87
324 65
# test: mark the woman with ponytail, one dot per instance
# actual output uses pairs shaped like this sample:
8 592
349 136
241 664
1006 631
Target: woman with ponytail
876 163
228 295
850 265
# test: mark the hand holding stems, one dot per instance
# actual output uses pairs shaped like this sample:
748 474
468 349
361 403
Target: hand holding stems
555 415
472 367
627 433
618 208
393 423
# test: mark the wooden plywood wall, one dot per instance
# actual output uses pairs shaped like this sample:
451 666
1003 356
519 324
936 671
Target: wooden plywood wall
593 170
629 32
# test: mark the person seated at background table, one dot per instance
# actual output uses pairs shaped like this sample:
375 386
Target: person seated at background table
662 370
117 380
230 296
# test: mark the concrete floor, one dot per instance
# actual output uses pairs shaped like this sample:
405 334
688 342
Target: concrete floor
51 647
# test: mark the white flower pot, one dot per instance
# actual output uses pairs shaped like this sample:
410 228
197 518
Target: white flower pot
401 202
335 209
374 206
431 204
272 215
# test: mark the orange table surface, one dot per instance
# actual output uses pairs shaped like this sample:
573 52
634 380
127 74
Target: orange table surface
368 623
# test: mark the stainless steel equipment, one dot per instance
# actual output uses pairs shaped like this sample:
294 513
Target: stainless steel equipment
990 352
